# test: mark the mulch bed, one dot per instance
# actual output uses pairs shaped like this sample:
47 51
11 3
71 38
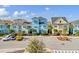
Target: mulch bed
63 38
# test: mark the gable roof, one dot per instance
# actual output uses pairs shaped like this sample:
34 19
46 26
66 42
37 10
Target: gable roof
21 21
6 22
16 21
57 18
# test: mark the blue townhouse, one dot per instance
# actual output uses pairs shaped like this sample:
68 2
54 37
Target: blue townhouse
39 25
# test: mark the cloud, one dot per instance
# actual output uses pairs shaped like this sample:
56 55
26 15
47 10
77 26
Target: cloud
16 13
33 14
27 16
19 13
47 8
3 12
23 12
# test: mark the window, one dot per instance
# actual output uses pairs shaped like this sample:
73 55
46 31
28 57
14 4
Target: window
24 27
14 26
28 26
41 22
35 21
55 26
44 26
60 21
1 26
35 26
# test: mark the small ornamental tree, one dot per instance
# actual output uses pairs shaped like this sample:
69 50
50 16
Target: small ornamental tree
77 33
35 46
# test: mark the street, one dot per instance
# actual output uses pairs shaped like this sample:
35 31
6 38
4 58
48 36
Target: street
50 42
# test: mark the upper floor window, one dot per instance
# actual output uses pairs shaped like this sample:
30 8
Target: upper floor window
55 26
24 27
35 21
41 22
28 26
60 21
35 26
14 26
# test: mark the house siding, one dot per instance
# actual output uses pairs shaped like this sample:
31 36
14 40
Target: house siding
60 24
40 25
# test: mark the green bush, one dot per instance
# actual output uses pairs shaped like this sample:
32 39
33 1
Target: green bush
19 38
35 46
77 33
2 35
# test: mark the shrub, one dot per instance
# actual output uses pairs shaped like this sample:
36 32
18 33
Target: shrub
77 33
19 38
2 34
63 38
11 31
35 46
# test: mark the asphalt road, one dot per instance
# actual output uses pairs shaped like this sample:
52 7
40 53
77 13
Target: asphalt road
50 42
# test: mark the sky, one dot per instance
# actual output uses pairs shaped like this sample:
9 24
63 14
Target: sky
71 12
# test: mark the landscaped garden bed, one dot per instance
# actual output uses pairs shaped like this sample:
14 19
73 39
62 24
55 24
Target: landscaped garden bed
63 38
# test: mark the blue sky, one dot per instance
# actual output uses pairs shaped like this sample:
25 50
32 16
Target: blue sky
71 12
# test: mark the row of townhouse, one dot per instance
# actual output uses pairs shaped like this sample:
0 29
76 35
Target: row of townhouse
39 25
18 25
59 25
